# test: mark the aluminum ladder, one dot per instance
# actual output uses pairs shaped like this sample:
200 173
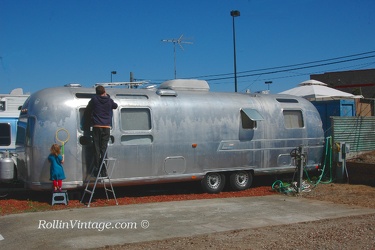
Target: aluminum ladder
107 165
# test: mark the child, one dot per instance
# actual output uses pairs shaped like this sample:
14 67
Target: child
56 170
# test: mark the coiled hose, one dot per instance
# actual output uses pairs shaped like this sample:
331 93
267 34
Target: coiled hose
286 188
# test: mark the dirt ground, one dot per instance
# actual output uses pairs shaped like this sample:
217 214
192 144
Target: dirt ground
356 232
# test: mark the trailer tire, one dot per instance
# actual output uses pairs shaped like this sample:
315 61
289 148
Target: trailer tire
240 180
213 183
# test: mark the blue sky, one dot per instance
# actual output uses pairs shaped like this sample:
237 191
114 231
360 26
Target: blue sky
47 43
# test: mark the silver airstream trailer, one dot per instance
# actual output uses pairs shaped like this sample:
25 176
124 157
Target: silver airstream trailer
177 132
10 105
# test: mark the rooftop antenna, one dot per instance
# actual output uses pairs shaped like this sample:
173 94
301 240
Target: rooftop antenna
179 41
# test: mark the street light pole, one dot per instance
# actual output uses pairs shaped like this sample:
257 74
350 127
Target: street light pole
234 13
268 83
113 73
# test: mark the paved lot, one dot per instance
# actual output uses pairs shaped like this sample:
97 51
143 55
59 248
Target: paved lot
97 227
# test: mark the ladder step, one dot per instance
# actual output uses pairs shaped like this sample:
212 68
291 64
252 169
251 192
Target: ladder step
107 165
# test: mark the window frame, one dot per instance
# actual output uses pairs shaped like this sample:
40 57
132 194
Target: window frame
250 118
290 121
141 123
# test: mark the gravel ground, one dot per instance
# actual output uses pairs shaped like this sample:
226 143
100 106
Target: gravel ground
357 232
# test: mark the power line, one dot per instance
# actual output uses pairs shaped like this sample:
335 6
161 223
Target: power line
357 66
291 67
306 67
318 61
285 68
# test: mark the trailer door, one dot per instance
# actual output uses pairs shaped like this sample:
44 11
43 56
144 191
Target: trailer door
136 142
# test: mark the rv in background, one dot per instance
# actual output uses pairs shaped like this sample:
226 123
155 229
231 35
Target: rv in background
10 108
177 132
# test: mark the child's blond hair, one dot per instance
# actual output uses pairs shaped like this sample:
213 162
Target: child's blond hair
55 149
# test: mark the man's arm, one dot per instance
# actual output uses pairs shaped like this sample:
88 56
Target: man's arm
114 105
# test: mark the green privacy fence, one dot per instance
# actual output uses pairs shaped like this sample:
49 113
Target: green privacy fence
358 132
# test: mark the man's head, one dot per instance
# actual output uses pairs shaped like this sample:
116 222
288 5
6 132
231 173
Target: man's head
100 90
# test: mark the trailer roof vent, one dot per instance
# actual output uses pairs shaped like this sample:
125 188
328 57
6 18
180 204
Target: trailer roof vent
73 85
166 92
185 84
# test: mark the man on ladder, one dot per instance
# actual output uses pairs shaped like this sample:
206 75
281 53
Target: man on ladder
100 112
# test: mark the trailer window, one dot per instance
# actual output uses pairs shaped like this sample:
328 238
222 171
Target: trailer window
81 118
30 131
5 133
282 100
293 119
21 134
128 96
249 118
85 95
135 119
85 122
2 105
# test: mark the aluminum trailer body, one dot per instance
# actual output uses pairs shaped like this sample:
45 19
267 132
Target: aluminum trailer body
178 132
10 106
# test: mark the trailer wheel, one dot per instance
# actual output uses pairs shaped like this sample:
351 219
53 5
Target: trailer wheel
241 180
213 183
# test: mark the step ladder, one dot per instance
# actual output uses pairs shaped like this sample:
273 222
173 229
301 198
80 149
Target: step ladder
93 179
60 197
